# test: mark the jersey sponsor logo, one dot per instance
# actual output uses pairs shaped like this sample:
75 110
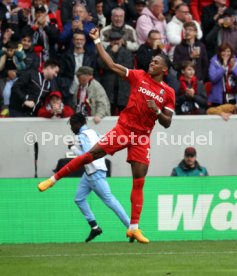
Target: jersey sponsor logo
150 94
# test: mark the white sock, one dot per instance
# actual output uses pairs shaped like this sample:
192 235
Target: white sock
53 179
133 226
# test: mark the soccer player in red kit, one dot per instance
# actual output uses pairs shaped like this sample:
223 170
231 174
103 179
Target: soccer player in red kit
150 99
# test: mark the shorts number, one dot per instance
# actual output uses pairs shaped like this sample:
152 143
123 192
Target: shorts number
148 153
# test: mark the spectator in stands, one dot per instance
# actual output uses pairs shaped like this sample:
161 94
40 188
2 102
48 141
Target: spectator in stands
31 60
11 61
151 18
126 5
225 31
210 16
191 98
1 30
151 48
139 6
91 99
36 4
175 27
129 37
54 107
223 76
31 88
67 7
233 4
100 14
7 36
79 22
189 166
46 35
116 88
129 8
172 6
13 18
223 110
192 49
70 61
196 7
55 5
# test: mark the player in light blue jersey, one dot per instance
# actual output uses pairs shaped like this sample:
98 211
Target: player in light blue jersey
94 178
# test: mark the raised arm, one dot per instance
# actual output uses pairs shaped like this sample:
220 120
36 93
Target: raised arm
117 68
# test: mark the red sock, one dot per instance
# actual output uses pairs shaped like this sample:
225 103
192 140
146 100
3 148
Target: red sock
137 199
74 164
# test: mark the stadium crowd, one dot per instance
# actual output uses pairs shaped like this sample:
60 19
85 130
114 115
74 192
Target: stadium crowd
49 66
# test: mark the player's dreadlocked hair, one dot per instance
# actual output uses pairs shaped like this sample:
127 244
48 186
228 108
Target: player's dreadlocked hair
78 118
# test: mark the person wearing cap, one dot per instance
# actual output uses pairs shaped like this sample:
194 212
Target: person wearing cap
129 37
91 98
189 166
94 177
34 5
54 107
116 88
45 34
225 31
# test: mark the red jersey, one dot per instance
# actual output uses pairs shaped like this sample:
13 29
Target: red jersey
137 115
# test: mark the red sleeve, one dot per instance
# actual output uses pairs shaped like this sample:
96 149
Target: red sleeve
43 112
67 111
134 75
195 10
170 103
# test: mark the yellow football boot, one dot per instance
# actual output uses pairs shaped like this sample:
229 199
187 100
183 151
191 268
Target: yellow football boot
44 185
137 235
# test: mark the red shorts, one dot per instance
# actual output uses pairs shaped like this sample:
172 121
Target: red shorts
119 137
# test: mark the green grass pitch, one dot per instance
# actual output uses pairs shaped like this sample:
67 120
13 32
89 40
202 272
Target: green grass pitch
190 258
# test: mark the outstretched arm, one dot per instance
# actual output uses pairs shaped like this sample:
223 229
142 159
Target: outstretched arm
117 68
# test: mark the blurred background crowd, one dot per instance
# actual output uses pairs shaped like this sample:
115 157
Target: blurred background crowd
49 66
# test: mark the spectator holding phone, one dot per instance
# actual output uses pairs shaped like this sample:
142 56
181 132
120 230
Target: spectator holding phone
79 22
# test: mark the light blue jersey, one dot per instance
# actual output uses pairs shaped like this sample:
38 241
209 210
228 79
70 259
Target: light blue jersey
95 180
